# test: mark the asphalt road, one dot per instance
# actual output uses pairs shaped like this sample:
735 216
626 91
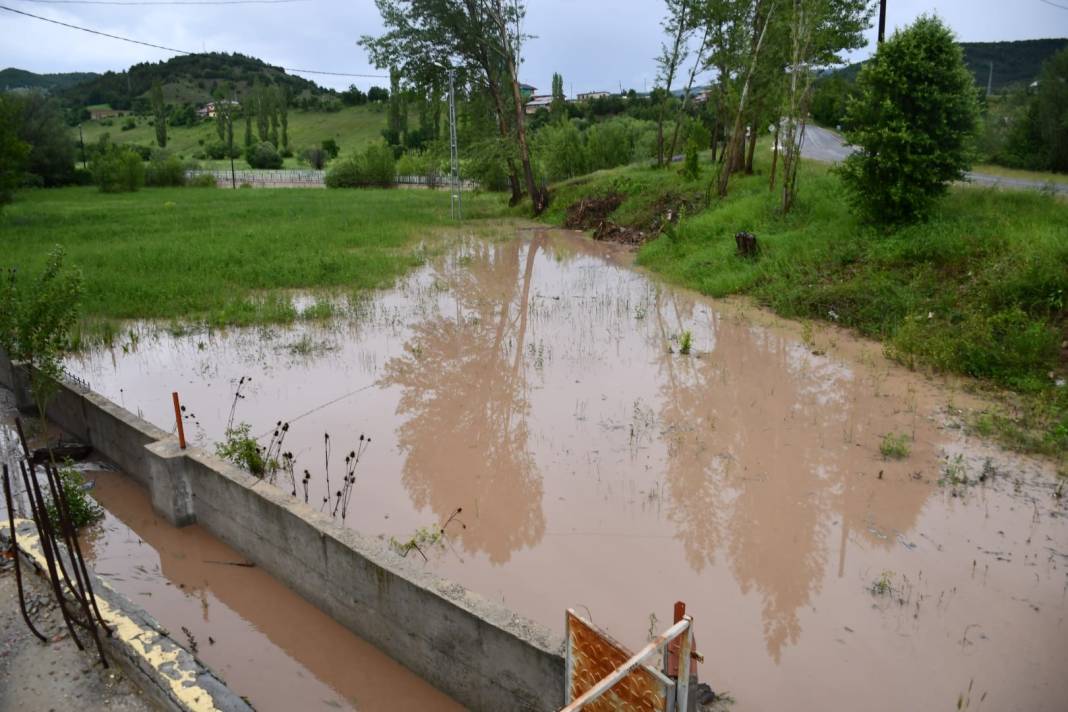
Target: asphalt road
825 145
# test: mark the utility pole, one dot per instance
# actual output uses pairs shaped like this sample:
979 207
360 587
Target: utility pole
882 20
990 80
81 142
456 189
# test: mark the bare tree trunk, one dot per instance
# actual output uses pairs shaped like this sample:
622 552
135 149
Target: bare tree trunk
797 104
774 159
686 94
733 142
502 125
672 65
752 148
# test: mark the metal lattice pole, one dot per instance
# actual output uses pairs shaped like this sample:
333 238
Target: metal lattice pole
456 201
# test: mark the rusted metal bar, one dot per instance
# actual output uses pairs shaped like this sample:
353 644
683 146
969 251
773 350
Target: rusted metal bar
625 669
71 540
40 516
15 550
178 420
74 550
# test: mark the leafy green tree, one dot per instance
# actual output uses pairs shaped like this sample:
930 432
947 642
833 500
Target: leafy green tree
264 155
118 169
13 152
481 42
558 106
912 124
159 114
678 24
1040 139
36 318
283 117
248 109
819 31
398 114
41 126
263 110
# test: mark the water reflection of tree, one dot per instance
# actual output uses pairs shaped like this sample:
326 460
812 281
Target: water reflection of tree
757 461
465 404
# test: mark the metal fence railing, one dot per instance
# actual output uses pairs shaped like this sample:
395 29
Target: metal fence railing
308 177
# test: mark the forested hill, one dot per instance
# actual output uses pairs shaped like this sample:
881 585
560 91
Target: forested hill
190 78
1017 62
12 78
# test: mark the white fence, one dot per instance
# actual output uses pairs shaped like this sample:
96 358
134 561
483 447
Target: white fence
307 178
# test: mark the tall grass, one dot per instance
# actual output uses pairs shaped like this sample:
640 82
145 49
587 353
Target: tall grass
221 256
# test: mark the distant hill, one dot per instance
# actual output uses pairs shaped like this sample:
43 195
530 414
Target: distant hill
13 79
1017 62
187 78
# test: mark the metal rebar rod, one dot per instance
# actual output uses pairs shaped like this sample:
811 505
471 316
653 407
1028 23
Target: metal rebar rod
15 550
40 518
75 552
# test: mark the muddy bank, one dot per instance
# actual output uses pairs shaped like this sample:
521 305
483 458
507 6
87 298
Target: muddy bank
615 444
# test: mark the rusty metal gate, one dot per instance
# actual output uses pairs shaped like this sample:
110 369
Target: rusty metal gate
603 676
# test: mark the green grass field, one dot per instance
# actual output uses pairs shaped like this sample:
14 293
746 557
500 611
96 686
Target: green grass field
353 128
980 289
210 255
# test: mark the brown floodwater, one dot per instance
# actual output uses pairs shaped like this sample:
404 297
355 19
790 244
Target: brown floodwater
265 641
539 384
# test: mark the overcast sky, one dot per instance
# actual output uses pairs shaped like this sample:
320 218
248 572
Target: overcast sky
595 44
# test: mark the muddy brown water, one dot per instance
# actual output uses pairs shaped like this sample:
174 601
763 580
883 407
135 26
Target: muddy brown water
537 383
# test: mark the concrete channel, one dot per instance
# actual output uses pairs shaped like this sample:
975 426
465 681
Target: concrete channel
476 651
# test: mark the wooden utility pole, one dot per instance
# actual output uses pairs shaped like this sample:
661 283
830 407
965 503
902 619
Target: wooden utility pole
882 20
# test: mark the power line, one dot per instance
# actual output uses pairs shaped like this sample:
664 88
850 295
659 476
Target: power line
181 51
164 2
1062 7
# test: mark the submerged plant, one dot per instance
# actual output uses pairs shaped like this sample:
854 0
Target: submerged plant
83 510
685 343
895 447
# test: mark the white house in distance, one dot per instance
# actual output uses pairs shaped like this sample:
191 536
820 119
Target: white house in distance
538 102
208 110
587 96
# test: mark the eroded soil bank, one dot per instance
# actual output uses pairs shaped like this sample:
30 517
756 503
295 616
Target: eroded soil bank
542 385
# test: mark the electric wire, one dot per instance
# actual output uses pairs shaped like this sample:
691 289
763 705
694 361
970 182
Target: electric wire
181 51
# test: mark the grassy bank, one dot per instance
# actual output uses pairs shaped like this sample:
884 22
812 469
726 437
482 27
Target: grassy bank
981 289
214 255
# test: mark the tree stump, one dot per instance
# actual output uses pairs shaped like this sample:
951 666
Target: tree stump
747 244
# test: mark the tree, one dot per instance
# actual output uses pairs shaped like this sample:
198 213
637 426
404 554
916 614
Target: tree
13 151
911 123
398 114
762 13
558 106
678 24
248 109
283 116
1040 138
478 40
36 317
159 114
41 126
685 103
819 31
263 108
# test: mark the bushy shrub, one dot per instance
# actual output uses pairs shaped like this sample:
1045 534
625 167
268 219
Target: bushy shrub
331 148
202 180
561 151
912 121
118 170
165 170
374 167
264 155
486 162
314 156
218 150
129 124
83 510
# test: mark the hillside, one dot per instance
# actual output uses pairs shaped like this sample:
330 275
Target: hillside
352 127
188 78
1017 62
12 79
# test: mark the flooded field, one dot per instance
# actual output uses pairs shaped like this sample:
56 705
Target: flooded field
615 445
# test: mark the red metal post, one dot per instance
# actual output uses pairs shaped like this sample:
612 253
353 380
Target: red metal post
178 419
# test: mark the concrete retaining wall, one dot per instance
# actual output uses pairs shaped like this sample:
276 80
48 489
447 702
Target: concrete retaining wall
475 650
